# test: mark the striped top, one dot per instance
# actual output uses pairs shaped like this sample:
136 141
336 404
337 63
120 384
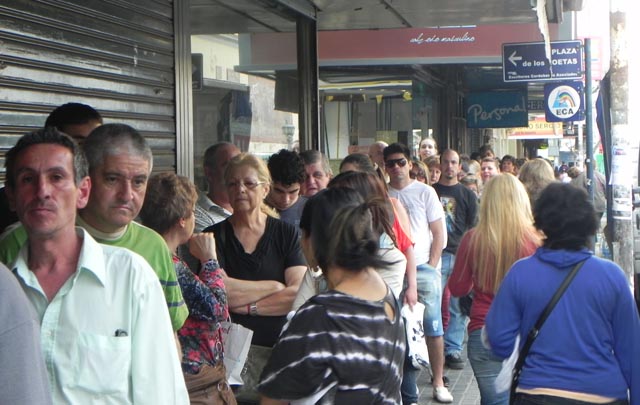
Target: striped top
336 338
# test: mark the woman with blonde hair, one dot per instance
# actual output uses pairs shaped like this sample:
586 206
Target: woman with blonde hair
420 171
503 235
536 174
261 256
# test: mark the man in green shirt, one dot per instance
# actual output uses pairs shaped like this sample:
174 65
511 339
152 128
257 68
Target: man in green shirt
120 162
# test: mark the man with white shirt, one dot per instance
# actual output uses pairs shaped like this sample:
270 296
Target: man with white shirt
105 330
428 231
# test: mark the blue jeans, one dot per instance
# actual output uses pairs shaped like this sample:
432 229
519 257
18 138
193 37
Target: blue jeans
527 399
454 335
408 388
486 368
430 294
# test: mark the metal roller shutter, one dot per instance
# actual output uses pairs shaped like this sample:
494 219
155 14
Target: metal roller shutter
117 56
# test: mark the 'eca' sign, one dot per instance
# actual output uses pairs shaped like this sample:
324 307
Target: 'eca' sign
564 101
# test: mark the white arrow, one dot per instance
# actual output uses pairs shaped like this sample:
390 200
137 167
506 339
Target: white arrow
513 58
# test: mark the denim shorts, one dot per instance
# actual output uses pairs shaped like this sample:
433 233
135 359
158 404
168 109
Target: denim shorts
430 294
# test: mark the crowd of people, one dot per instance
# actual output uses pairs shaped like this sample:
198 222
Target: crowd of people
118 279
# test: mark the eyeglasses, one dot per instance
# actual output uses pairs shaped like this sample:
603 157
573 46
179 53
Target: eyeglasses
392 162
249 185
417 174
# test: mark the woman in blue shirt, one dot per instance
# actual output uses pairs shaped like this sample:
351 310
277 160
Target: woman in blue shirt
588 350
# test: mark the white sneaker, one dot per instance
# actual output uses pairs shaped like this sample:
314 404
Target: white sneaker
442 395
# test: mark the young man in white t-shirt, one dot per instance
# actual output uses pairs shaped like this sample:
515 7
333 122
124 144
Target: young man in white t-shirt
428 230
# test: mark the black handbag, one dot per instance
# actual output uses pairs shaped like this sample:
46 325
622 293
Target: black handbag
533 333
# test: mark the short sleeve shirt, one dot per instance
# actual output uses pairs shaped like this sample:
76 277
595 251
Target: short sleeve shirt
337 338
423 206
460 209
278 249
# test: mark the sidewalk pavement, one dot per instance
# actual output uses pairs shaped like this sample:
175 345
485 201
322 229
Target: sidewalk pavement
463 386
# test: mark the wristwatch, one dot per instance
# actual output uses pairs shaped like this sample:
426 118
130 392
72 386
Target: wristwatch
253 309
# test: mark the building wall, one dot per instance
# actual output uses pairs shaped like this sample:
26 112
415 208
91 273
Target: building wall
220 56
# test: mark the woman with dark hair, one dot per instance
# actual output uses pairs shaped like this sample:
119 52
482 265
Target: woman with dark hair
394 243
508 164
401 223
396 248
587 350
168 209
359 162
345 345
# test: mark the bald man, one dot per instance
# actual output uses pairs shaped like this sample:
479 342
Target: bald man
375 153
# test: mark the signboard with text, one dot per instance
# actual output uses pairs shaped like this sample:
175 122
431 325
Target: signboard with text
564 101
399 46
538 128
496 109
527 62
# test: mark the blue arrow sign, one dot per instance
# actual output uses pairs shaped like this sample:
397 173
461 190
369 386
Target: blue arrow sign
527 62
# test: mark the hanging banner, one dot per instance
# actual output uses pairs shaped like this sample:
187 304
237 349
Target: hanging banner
497 109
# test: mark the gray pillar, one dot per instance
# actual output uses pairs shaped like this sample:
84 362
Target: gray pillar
307 47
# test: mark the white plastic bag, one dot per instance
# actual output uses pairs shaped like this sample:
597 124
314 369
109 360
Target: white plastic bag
417 345
236 340
504 378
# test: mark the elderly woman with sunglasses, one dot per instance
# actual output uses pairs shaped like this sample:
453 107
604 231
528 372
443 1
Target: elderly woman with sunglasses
262 258
260 254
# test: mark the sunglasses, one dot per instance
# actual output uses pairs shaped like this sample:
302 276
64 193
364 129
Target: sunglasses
392 162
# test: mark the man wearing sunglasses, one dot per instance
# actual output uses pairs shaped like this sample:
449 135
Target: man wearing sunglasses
427 228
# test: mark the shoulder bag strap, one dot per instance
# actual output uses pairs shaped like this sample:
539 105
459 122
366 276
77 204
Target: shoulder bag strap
533 333
222 235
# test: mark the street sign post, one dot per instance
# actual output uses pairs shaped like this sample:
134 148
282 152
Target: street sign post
527 62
